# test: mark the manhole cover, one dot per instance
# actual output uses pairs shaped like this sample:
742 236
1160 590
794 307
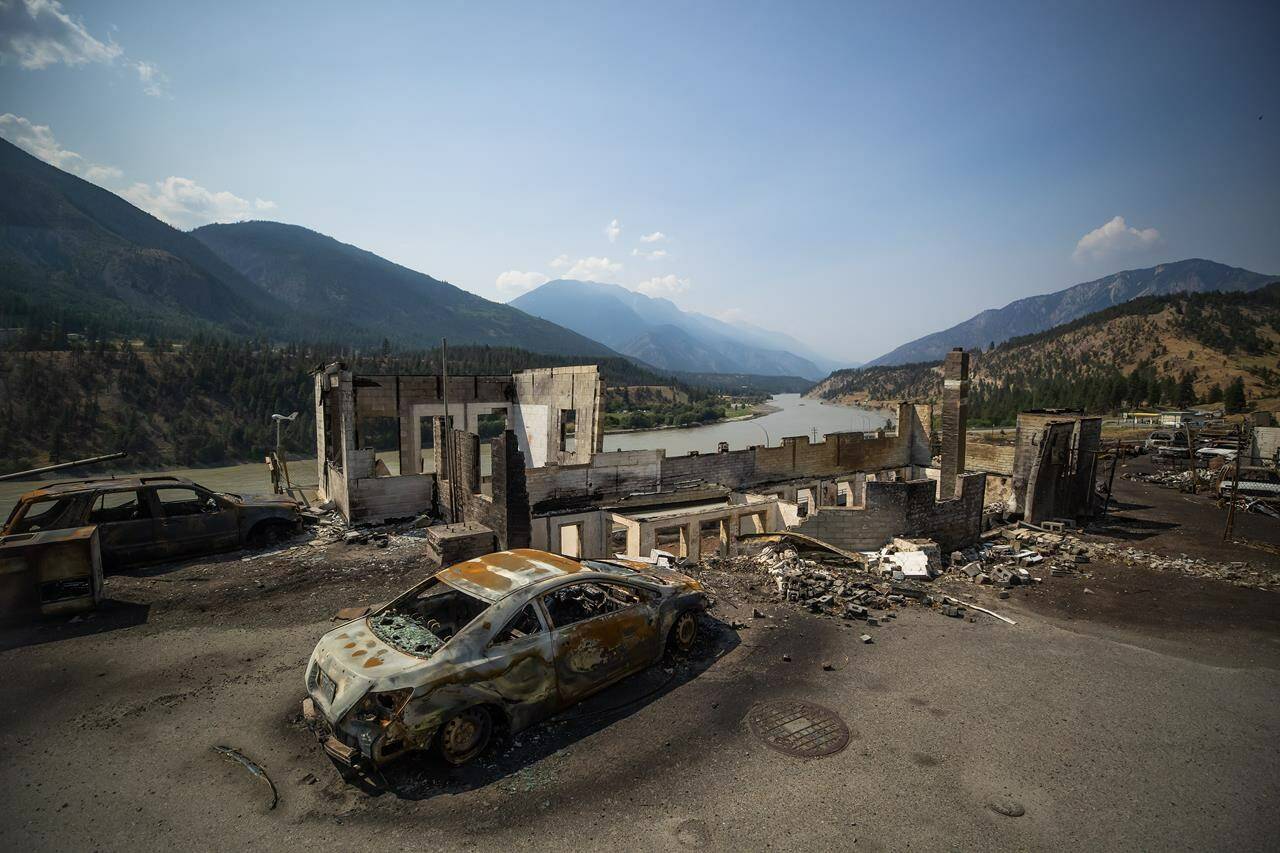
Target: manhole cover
799 728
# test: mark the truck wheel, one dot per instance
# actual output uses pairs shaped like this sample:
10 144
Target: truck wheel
465 735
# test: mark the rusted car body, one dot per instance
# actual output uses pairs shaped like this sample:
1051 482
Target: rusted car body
150 519
500 641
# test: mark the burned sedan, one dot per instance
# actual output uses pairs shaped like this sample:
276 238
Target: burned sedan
144 520
498 642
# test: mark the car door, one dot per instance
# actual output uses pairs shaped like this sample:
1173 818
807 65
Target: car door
601 631
523 652
127 529
194 521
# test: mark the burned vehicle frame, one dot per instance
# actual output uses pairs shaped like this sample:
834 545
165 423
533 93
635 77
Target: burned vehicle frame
499 642
143 520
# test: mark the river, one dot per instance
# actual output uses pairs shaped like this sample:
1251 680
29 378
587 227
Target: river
794 415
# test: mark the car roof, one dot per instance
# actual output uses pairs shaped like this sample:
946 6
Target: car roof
495 576
69 487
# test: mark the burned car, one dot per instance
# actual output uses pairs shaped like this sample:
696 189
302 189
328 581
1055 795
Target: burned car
150 519
498 642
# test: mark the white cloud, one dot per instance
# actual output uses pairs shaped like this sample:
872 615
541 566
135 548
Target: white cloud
515 282
1115 237
655 255
38 140
38 33
179 201
560 262
594 269
653 238
665 285
185 204
613 229
153 79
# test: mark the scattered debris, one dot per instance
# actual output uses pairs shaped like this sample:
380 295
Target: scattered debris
232 754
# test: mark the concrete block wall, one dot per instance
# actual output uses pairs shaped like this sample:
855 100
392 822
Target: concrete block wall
991 458
542 395
376 499
607 475
1054 464
906 508
733 469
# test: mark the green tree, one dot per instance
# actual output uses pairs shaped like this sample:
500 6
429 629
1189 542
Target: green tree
1233 398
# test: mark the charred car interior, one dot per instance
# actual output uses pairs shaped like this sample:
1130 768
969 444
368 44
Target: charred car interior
501 641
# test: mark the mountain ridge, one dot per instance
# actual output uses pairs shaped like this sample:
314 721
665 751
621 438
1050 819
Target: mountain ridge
1173 350
77 257
1036 313
656 331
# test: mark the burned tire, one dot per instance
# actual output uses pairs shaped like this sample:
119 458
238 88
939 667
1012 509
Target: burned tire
684 633
267 533
465 736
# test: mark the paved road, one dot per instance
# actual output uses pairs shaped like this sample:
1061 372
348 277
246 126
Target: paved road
1108 738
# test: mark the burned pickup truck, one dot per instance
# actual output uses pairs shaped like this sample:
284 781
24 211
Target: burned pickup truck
152 519
501 641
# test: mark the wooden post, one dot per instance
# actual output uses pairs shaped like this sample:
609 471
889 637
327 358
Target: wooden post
1191 461
1235 488
1111 478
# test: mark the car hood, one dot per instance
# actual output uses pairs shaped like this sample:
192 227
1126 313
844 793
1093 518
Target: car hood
266 501
357 662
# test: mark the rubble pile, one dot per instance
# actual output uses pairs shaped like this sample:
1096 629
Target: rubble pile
872 592
1238 573
1173 479
1029 555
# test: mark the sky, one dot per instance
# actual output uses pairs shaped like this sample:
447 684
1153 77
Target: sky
854 174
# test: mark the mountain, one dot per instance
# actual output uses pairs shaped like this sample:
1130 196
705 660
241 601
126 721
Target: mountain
80 258
657 332
347 293
74 252
1037 313
1176 350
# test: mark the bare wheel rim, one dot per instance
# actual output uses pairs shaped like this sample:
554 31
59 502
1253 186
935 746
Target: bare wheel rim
686 630
465 736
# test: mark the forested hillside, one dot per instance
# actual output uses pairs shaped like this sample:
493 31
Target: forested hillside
208 401
1175 350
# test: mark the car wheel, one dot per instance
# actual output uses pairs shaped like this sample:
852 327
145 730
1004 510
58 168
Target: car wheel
465 735
684 632
267 534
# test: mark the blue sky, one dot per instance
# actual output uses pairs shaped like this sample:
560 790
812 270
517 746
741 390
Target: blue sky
854 174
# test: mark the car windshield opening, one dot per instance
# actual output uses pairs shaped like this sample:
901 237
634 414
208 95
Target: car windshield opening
421 623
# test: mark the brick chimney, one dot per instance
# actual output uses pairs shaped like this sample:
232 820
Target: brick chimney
955 418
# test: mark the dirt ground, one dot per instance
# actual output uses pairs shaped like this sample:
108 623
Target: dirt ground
1139 715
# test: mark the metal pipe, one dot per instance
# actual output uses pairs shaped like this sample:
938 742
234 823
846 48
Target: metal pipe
61 465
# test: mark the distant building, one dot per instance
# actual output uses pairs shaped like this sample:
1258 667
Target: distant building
1181 419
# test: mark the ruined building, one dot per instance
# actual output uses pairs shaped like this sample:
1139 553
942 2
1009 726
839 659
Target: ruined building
549 485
